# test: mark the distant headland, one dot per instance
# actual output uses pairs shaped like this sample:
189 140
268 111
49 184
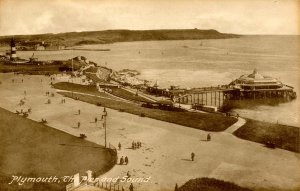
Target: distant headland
111 36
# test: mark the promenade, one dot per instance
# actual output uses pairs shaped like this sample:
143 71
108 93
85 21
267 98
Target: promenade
166 148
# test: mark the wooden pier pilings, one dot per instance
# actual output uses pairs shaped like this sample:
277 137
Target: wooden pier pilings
217 97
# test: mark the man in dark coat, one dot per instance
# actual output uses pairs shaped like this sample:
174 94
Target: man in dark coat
192 156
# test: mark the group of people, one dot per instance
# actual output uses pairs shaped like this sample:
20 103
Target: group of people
63 100
136 145
49 94
124 160
43 121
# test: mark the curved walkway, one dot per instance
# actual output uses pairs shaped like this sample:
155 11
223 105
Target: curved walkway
236 125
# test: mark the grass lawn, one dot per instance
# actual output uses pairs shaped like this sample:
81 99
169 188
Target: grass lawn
29 148
203 121
283 136
31 69
210 184
128 95
88 89
91 89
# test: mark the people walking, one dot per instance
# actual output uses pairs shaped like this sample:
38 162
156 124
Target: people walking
78 111
133 145
128 174
78 124
96 119
119 145
208 137
192 156
121 160
126 160
131 187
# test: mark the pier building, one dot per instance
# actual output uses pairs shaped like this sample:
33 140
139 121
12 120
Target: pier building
250 86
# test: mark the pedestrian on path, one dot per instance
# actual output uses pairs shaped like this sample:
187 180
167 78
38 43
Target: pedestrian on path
78 124
128 174
96 119
131 187
78 111
208 137
121 160
119 145
192 156
126 160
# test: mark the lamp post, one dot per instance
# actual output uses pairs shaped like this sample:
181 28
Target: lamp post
72 73
104 123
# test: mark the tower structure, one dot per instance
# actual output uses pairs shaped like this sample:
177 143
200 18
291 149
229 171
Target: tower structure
13 50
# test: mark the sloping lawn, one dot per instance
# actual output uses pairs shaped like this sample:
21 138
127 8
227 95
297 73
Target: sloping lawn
31 149
203 121
210 184
283 136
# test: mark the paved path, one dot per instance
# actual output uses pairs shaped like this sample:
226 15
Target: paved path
241 121
141 94
166 148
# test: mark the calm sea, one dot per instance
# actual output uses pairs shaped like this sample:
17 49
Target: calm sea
196 63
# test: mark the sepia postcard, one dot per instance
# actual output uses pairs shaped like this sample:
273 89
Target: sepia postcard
149 95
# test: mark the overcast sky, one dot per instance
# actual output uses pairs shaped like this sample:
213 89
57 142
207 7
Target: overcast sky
229 16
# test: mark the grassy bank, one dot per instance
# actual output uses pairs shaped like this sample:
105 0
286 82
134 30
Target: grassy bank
88 89
91 89
128 95
210 184
283 136
203 121
31 149
31 69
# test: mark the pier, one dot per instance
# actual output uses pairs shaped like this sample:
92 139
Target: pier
217 96
251 87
